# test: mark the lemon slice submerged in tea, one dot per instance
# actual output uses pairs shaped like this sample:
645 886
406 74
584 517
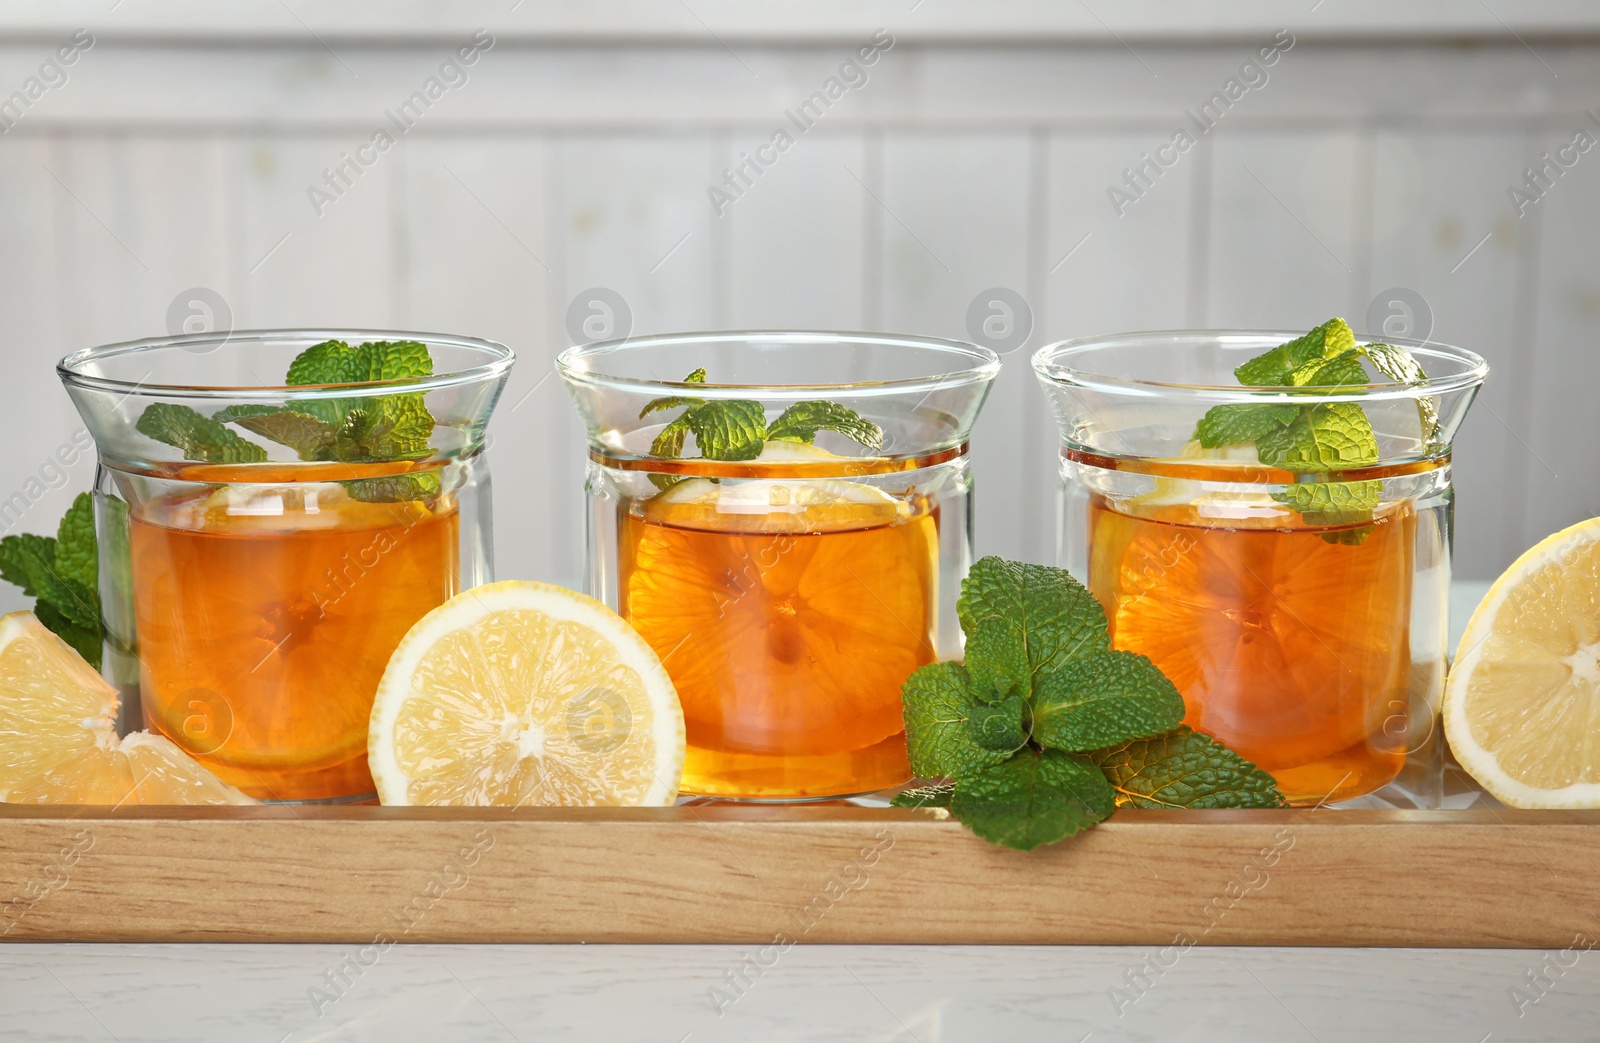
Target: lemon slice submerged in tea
1522 705
57 742
777 504
525 693
806 602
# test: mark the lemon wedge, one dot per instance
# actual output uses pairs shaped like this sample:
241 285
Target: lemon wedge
1522 703
57 741
524 693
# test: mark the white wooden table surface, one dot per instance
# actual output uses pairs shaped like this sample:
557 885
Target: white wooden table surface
208 993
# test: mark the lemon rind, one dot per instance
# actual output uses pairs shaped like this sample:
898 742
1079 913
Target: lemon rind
1481 764
557 602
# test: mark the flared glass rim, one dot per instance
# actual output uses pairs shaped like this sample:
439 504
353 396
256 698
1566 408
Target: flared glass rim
1051 364
70 368
983 364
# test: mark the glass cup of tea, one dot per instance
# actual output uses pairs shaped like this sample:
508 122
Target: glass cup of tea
786 518
275 509
1300 611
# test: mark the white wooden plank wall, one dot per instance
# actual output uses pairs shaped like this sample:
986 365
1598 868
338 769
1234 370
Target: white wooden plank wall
1357 168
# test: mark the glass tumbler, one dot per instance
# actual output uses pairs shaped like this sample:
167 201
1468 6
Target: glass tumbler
787 528
264 547
1302 613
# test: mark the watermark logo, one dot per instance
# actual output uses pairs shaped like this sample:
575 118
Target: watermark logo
56 874
339 978
1543 175
999 318
1138 179
1400 312
208 721
599 720
50 76
851 76
200 309
451 76
598 313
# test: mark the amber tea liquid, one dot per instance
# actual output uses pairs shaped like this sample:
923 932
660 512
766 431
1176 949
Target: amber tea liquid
1290 641
266 614
787 628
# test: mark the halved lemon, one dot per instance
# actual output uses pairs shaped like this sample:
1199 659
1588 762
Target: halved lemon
521 693
57 742
1522 704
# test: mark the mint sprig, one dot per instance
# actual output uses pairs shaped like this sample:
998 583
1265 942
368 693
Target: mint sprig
1039 732
1318 438
63 574
737 429
199 436
1183 769
347 430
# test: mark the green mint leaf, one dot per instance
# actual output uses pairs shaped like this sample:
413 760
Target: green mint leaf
1400 366
1342 369
936 795
234 413
1242 423
670 402
1002 726
398 427
674 401
734 430
408 428
1033 799
29 561
1025 613
197 435
1333 503
997 661
1185 769
395 488
1103 698
941 737
669 443
72 599
23 554
392 427
1343 508
1334 436
801 422
309 436
1275 368
84 640
394 360
331 362
77 550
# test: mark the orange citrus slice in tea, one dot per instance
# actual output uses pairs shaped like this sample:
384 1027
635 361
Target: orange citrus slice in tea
800 607
1286 646
57 743
524 693
1522 704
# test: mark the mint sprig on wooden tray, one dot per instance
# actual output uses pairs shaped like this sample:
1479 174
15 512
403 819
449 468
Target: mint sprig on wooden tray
371 429
1045 728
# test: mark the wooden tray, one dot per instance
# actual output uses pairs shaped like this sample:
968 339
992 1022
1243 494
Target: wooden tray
758 876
